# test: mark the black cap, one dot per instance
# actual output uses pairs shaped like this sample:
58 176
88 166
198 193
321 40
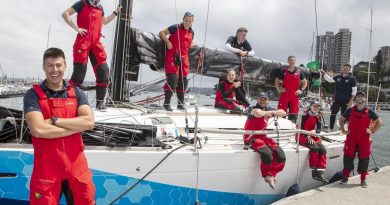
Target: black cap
263 95
361 93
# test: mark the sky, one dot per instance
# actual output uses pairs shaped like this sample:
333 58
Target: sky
277 28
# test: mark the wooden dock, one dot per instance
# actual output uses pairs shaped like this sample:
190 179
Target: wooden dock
378 192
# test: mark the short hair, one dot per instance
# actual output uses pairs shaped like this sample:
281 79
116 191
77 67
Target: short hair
53 53
242 29
291 57
188 14
347 64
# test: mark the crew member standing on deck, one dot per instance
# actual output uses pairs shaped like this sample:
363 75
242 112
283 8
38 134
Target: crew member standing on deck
177 65
272 155
311 121
90 18
344 93
227 92
56 114
291 78
363 122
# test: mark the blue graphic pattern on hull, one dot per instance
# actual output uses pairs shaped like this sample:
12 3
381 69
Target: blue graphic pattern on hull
109 186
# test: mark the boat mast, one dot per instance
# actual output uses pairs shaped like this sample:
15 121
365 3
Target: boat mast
121 65
369 58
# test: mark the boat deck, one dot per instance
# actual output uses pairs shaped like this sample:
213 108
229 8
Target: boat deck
351 193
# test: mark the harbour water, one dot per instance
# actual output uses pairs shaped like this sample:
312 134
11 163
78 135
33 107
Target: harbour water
380 144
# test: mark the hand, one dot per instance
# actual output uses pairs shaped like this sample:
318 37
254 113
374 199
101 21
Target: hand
298 92
313 133
310 140
282 90
347 132
118 9
368 131
242 53
237 84
350 104
82 31
169 45
268 115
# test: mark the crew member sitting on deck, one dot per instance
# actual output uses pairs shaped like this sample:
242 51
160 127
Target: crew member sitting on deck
272 155
291 78
227 93
311 121
358 139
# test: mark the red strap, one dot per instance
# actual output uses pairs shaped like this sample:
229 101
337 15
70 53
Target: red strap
39 91
242 74
71 92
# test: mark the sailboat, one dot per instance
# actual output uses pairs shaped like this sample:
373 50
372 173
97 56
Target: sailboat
142 155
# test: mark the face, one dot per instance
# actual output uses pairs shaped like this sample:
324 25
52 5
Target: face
54 68
187 21
241 36
360 99
346 69
291 61
315 108
231 75
263 102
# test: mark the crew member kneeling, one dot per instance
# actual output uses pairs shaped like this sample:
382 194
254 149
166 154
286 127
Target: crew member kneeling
227 92
272 155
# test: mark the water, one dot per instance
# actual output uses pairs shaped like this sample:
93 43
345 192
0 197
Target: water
380 144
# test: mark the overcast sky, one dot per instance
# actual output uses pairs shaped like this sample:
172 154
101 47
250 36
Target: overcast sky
277 28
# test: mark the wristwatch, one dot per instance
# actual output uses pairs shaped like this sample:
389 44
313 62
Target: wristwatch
115 13
53 120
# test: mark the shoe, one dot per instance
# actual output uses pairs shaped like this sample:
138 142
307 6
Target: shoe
167 107
101 107
320 176
363 184
344 180
271 181
181 107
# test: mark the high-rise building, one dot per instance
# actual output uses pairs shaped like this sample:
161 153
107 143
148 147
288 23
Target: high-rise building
342 49
325 49
384 63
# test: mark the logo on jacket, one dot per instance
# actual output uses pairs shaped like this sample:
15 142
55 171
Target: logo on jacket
37 195
346 81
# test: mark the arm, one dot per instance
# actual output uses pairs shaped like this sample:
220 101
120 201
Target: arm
107 20
66 16
251 53
225 93
342 123
164 36
229 47
304 84
262 113
378 123
277 85
241 96
83 122
43 128
354 91
319 125
327 77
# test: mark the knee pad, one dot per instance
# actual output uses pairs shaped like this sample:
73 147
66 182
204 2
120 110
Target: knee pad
348 163
79 71
172 81
102 73
280 155
363 165
266 155
313 147
321 148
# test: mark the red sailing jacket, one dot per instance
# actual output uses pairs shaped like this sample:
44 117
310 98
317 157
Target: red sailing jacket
291 81
90 18
359 122
227 86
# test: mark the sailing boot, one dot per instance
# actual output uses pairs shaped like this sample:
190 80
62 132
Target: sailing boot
100 94
180 101
167 101
320 176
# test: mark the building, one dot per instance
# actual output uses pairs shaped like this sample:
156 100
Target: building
342 49
325 49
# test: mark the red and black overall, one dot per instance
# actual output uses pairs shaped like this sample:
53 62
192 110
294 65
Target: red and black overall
358 141
272 155
225 97
288 99
89 45
177 66
317 153
60 159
